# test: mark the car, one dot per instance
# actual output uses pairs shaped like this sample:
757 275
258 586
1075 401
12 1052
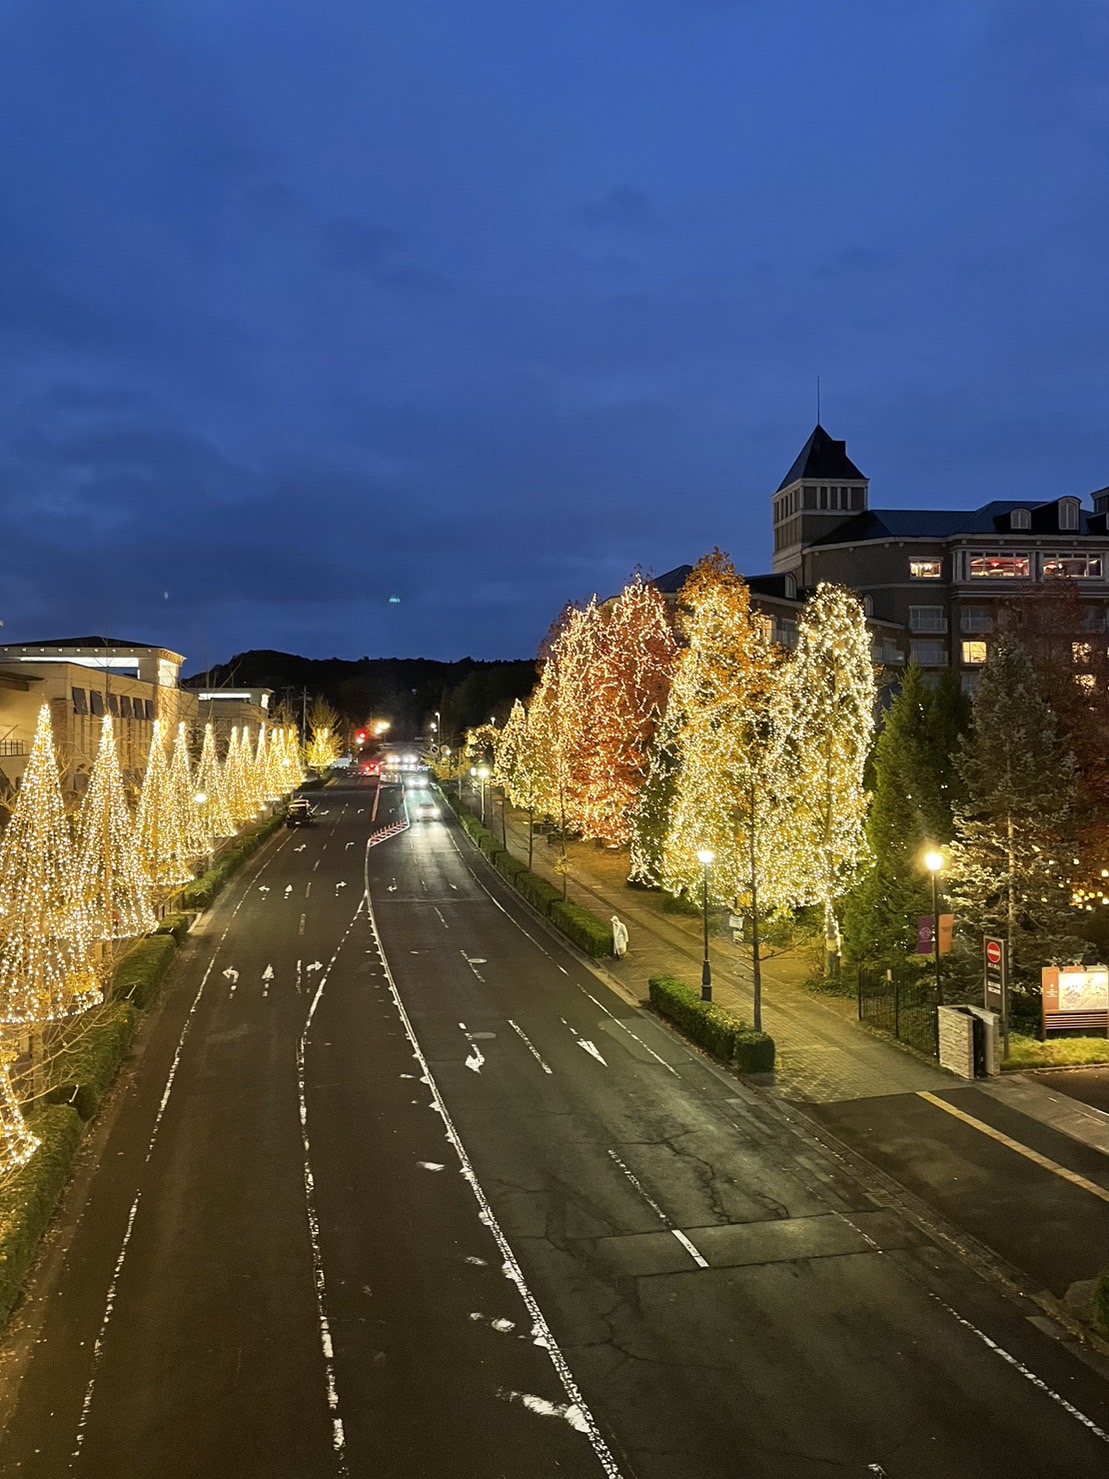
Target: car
299 813
426 810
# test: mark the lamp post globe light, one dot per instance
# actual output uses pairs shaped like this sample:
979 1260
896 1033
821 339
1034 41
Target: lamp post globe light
704 857
483 776
933 861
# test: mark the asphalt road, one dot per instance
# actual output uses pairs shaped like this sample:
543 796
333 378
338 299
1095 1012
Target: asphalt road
400 1188
1090 1085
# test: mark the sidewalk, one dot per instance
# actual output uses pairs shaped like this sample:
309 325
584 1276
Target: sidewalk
822 1054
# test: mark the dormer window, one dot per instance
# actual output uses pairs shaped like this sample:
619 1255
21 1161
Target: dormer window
790 584
1020 518
1068 513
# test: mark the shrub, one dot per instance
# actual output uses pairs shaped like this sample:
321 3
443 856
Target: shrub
726 1036
29 1196
582 928
82 1070
1101 1302
509 867
491 846
538 892
176 925
140 972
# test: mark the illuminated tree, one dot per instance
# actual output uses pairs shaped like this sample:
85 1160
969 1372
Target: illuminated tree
517 766
161 825
622 695
47 970
650 817
213 810
294 768
276 772
112 882
17 1144
195 833
720 700
237 790
325 745
824 723
1011 863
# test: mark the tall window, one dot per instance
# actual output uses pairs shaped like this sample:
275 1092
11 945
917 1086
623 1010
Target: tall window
925 569
1068 513
974 653
1020 518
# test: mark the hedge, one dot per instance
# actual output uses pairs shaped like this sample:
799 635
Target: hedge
28 1197
176 925
142 969
82 1069
509 867
538 892
1101 1302
582 928
726 1036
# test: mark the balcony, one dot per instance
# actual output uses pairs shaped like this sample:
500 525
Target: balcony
12 747
920 621
975 621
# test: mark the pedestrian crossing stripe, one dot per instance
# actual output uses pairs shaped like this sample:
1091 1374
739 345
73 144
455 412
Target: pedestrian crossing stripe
1043 1161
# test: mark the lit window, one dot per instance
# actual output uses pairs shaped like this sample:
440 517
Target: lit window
1082 651
974 653
926 569
999 567
1072 566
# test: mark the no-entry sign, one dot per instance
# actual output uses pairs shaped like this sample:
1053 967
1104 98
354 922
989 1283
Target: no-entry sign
995 964
994 953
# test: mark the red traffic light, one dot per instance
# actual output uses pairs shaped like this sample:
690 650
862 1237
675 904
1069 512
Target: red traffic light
361 736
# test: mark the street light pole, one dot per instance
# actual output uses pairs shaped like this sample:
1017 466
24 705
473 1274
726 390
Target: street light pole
933 861
705 857
483 775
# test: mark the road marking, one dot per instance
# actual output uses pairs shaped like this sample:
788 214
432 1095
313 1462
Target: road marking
583 1042
1042 1161
338 1436
300 981
316 864
288 889
473 964
511 1265
522 1035
171 1077
694 1253
308 889
477 1057
442 921
267 977
1024 1371
300 928
628 1030
232 975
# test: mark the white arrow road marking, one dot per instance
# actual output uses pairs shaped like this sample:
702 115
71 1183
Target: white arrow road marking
570 1411
477 1057
583 1042
875 1469
392 887
693 1252
339 885
288 889
429 1165
301 848
233 976
522 1035
263 888
350 844
267 977
316 965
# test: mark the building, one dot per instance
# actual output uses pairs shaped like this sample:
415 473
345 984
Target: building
84 678
943 580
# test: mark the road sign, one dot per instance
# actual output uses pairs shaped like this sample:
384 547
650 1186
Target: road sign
995 972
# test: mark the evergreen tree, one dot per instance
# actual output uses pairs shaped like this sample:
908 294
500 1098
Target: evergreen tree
214 815
1011 862
112 882
161 824
913 780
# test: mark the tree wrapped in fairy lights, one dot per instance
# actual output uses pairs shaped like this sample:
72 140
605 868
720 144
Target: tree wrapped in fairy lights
195 833
161 825
17 1144
720 703
237 789
251 772
621 697
823 730
47 969
112 882
269 742
294 770
325 745
211 802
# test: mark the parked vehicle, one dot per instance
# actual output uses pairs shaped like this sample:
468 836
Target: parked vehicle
299 813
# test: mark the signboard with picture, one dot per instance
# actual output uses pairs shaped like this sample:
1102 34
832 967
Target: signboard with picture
1076 998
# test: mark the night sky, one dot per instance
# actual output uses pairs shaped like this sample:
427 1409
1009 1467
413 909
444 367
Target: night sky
480 304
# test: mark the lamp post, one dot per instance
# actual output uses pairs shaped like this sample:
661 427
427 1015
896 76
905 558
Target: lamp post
705 857
483 776
933 861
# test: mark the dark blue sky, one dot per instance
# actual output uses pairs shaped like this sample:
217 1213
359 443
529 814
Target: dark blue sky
480 304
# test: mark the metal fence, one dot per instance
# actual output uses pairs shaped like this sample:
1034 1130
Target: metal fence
902 1003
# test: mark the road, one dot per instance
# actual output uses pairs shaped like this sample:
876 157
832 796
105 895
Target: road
400 1188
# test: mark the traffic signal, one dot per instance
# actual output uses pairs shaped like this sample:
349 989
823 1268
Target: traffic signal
361 736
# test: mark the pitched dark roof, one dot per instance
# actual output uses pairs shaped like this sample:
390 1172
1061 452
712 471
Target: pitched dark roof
822 457
671 583
85 642
934 523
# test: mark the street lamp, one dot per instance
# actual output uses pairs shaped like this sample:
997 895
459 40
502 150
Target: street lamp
933 861
705 857
483 776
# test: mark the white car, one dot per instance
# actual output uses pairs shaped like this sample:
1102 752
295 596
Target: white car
426 811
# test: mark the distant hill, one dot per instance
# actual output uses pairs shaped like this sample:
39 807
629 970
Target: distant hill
405 690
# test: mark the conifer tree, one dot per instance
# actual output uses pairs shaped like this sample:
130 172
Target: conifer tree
161 825
112 882
236 782
213 811
194 829
913 790
824 723
47 970
1012 860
